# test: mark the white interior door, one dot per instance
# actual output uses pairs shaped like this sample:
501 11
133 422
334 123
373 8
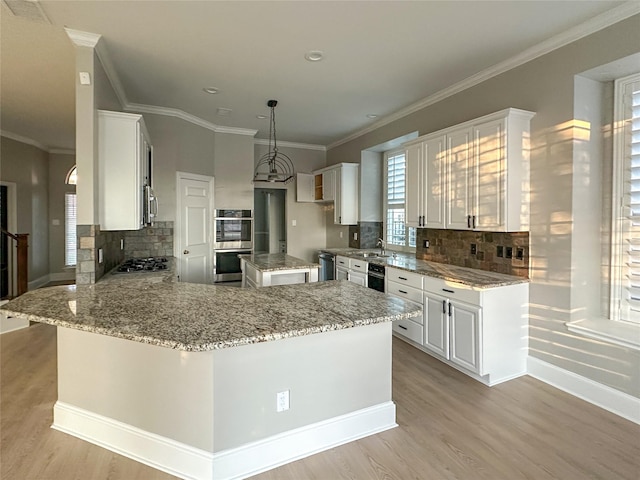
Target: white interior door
194 248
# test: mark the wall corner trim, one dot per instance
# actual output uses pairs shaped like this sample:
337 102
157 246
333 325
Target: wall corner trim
612 400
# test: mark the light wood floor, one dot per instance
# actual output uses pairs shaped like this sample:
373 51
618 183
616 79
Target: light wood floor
450 427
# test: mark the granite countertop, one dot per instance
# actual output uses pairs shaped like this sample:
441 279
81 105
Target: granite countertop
270 262
192 317
480 279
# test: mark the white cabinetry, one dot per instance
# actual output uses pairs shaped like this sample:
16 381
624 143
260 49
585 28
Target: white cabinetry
352 270
482 332
408 286
426 182
124 156
472 176
339 183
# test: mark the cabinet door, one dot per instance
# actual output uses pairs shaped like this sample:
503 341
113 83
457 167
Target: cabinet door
465 336
346 195
305 187
414 194
459 175
358 278
433 178
342 273
436 324
337 197
328 185
489 175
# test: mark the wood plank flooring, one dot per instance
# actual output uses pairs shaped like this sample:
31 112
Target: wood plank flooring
450 427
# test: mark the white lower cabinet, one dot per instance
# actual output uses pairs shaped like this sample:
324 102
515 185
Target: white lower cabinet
352 270
481 332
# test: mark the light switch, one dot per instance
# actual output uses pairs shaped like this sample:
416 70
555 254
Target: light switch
55 222
85 78
294 223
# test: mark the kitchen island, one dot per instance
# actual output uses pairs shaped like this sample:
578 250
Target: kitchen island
265 270
210 382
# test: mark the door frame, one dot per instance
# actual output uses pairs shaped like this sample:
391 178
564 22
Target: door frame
12 226
177 239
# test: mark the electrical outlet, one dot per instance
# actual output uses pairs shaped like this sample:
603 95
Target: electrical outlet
122 244
426 244
294 223
520 253
100 256
508 252
340 234
474 249
500 251
282 401
355 236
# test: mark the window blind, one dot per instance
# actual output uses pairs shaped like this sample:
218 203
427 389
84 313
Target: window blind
70 237
630 235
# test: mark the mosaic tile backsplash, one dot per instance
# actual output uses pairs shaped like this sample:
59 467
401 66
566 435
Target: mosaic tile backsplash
502 252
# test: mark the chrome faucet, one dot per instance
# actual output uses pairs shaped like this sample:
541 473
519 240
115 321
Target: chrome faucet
382 245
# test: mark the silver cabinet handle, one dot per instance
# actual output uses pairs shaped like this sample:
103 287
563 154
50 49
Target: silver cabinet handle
186 252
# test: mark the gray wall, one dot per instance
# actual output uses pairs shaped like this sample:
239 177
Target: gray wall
546 86
27 167
59 166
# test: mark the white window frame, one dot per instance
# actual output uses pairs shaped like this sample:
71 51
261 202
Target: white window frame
70 243
385 206
620 215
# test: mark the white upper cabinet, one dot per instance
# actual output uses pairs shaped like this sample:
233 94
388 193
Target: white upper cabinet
339 183
472 176
124 157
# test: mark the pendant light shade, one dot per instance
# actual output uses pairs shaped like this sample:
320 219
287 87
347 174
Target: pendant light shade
273 166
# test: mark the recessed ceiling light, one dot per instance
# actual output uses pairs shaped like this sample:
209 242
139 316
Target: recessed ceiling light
223 112
211 90
372 115
314 55
261 117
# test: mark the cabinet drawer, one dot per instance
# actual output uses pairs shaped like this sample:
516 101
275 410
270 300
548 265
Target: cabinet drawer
358 265
405 278
457 291
404 291
408 329
342 261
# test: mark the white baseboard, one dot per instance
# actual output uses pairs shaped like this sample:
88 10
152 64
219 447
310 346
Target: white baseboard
194 464
154 450
38 282
601 395
62 276
263 455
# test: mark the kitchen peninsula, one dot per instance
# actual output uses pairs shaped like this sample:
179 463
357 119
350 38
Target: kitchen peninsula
211 382
264 270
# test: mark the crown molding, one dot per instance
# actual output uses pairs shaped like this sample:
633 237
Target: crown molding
21 139
35 143
62 151
593 25
304 146
175 112
83 39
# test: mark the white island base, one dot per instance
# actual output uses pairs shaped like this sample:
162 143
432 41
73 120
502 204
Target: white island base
212 414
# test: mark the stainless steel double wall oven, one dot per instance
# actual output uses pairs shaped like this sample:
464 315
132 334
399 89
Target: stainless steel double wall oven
234 236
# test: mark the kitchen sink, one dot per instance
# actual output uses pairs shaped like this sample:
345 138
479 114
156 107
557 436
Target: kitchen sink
370 255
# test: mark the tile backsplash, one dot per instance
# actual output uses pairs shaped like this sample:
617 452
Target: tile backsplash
503 252
154 241
367 234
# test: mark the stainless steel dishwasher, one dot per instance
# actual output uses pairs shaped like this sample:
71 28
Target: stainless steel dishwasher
327 266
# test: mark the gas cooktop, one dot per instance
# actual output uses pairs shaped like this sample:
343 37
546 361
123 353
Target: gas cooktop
149 264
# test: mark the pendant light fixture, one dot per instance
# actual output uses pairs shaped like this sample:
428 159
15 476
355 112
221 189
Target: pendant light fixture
273 166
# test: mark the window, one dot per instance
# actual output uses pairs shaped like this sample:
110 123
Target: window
625 285
397 234
70 237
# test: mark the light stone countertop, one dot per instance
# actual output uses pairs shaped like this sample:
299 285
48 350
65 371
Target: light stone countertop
271 262
151 308
480 279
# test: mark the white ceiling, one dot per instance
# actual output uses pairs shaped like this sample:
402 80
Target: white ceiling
380 57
